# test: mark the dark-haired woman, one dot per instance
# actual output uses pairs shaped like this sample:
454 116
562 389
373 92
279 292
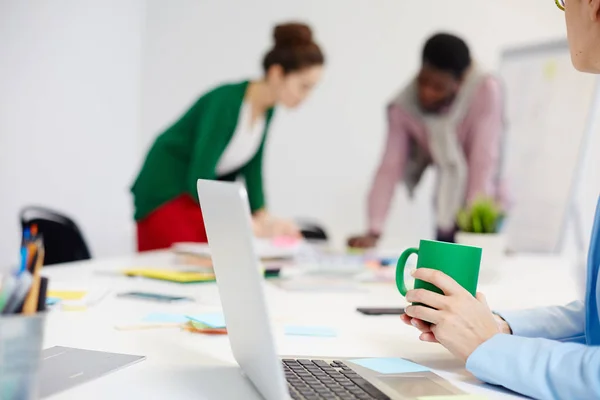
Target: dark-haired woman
450 116
222 137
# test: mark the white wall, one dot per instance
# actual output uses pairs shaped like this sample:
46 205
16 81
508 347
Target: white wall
335 139
69 115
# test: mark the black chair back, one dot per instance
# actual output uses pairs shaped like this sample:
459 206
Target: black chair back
63 240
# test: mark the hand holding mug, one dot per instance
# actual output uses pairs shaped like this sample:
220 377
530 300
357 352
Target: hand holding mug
446 307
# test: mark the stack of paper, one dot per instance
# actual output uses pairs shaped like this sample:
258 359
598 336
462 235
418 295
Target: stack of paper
74 298
268 251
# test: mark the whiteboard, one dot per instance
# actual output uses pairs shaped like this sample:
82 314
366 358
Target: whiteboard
549 109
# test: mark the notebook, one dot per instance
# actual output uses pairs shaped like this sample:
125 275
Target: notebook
171 275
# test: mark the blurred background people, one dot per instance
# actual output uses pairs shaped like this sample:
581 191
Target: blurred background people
222 137
450 116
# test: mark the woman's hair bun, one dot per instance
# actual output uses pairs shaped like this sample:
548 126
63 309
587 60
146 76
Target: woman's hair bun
292 34
294 48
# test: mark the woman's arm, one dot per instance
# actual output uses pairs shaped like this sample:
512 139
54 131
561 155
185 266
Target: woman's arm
253 177
540 368
563 323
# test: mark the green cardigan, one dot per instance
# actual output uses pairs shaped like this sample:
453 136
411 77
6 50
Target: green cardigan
191 148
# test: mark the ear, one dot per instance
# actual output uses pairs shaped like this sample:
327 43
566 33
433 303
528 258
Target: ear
594 9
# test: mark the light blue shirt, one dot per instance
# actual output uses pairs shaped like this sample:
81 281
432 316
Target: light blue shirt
553 352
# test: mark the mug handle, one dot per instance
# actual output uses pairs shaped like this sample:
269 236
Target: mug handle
400 269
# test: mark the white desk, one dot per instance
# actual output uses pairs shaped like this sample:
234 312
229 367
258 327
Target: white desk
182 365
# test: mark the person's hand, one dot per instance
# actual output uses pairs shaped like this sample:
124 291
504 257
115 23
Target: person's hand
428 336
365 241
285 227
267 226
459 321
259 228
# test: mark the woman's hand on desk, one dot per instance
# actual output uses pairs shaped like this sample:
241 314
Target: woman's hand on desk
267 226
459 321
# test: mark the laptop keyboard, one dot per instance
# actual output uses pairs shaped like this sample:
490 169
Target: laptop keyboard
318 379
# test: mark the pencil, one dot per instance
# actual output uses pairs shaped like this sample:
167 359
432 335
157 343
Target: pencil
31 301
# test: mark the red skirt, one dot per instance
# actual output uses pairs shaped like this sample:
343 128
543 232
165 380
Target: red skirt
179 220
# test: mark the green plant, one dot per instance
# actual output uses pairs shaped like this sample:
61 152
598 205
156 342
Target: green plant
484 215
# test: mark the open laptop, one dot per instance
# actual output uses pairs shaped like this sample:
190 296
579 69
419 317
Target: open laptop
229 229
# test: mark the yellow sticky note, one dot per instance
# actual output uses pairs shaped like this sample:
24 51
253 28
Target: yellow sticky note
67 294
454 397
171 275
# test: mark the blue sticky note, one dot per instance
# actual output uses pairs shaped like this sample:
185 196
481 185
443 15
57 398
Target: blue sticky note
390 365
50 301
322 331
164 318
213 320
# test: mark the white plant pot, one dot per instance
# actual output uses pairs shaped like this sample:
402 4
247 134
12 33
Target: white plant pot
493 246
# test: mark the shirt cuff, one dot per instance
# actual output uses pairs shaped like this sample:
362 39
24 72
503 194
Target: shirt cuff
519 323
483 362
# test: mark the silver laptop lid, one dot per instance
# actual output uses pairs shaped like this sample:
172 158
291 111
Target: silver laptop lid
229 230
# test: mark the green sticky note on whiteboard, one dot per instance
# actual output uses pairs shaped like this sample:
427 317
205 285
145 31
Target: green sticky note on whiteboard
455 397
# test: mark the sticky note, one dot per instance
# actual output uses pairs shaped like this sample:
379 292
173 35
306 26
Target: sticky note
454 397
212 320
67 294
390 365
322 331
284 241
50 301
166 318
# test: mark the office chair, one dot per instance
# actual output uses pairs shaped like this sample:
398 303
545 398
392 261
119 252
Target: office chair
63 240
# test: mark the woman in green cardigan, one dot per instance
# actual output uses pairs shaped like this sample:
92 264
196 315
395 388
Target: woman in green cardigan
222 136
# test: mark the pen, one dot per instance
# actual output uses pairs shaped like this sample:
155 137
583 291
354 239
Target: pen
23 260
31 300
9 284
26 236
15 301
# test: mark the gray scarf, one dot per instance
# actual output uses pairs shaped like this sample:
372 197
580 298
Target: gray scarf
445 148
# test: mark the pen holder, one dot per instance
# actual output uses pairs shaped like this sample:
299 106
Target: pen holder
21 339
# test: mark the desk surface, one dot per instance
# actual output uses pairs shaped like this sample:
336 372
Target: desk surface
182 365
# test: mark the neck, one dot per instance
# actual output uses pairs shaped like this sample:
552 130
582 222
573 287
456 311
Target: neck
260 95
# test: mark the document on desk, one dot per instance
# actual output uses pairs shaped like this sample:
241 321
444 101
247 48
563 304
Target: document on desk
265 249
390 365
318 284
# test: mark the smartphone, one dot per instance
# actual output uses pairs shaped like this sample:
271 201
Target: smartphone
154 297
380 310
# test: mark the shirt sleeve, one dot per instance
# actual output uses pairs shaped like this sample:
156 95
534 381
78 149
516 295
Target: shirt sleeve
253 177
562 323
208 145
539 368
389 171
484 148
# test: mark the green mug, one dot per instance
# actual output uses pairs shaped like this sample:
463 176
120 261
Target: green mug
457 261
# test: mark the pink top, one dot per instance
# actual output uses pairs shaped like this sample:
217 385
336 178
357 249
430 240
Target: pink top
480 135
